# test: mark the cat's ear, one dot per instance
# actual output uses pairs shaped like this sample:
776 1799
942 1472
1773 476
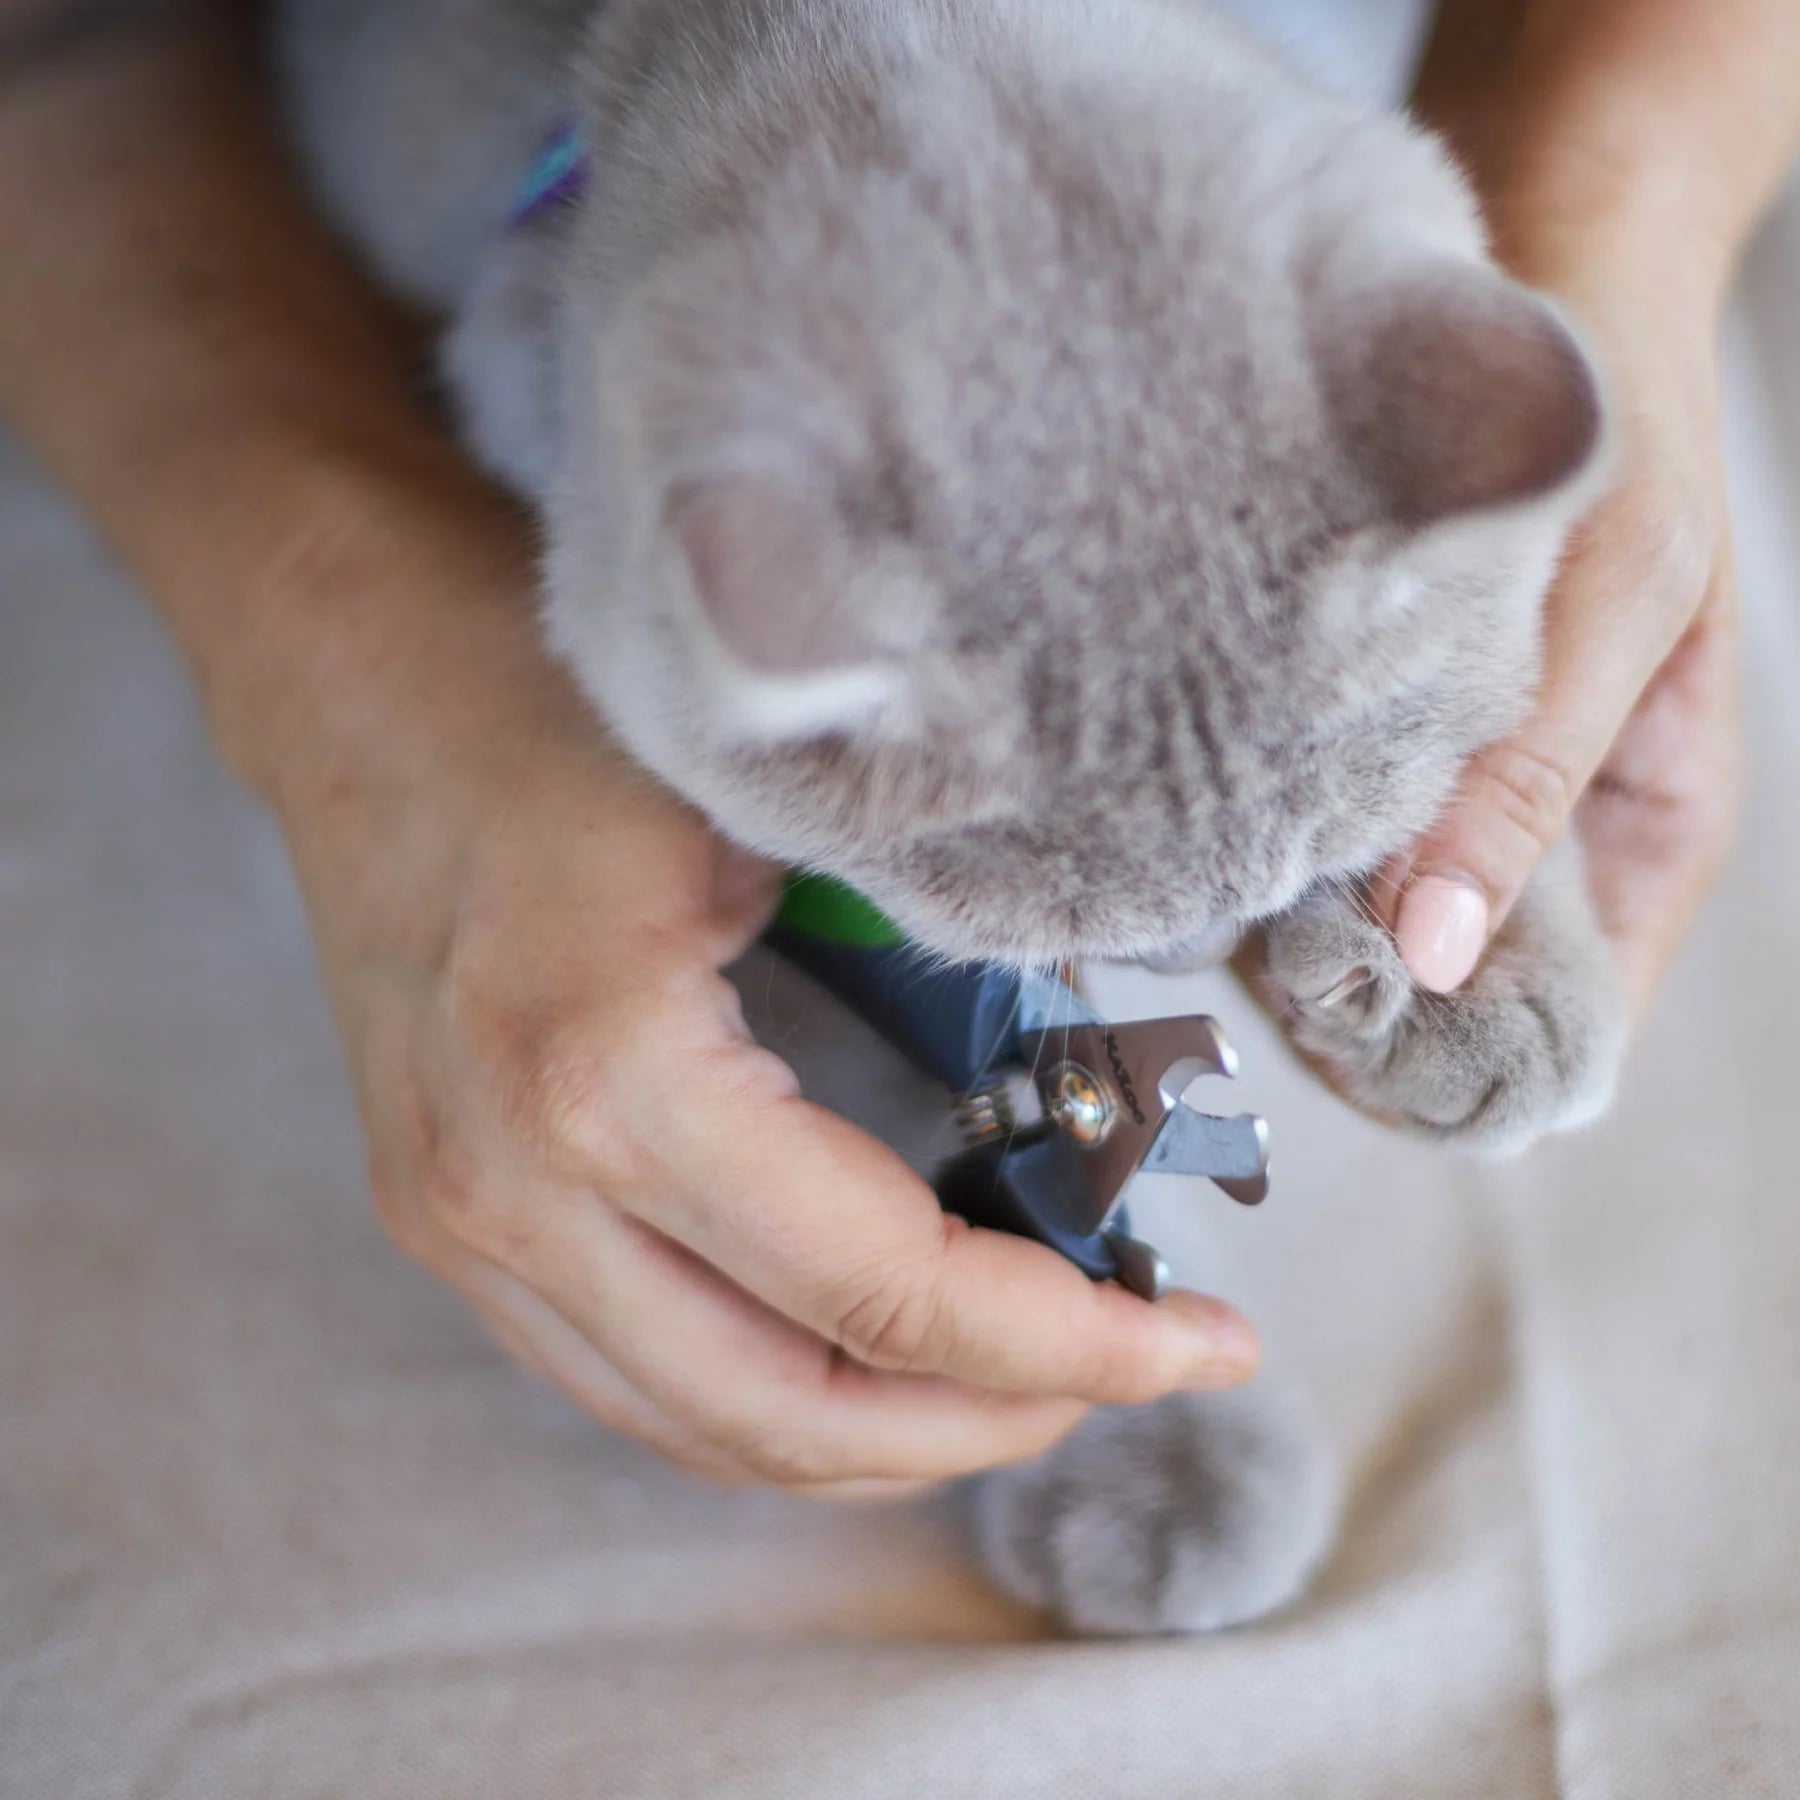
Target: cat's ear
1461 392
806 629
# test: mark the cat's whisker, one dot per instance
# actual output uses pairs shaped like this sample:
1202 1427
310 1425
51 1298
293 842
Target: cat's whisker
1354 893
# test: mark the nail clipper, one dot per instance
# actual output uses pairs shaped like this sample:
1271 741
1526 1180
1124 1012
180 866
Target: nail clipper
1056 1107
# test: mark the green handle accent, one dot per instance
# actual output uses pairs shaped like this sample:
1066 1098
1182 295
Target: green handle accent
825 908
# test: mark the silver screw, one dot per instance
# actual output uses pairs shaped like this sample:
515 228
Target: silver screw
1079 1102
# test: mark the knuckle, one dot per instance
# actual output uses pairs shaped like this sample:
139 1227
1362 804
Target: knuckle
466 1208
1533 792
896 1323
437 1186
563 1100
567 1063
561 1083
468 1205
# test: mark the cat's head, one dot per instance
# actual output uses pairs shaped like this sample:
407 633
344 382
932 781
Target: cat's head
1080 510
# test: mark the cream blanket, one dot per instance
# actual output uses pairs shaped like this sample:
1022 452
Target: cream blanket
276 1520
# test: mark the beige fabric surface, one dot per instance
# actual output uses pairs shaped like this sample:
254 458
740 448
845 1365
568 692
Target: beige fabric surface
276 1520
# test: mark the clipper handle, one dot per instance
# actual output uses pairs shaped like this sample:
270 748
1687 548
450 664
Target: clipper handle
1036 1190
959 1024
947 1019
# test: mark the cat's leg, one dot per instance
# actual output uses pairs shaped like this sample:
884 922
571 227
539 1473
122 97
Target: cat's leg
1193 1514
1531 1044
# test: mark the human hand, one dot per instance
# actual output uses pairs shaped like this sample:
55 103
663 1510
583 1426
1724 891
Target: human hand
566 1117
1634 743
522 937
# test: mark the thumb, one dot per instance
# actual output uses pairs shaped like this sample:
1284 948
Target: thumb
1620 605
1454 891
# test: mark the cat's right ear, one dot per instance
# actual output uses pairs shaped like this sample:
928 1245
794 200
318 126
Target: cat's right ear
801 629
1459 392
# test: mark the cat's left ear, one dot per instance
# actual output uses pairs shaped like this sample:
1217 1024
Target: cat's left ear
806 627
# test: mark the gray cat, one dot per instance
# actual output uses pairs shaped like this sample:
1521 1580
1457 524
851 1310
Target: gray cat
1044 463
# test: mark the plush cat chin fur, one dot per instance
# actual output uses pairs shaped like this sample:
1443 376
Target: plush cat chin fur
1042 462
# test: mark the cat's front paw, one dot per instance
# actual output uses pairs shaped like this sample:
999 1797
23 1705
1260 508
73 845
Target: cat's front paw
1202 1511
1530 1045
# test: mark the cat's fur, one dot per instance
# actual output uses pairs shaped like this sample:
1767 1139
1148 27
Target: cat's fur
1043 462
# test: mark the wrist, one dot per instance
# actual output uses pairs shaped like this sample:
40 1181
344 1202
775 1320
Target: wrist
384 621
1644 134
418 744
1642 258
1583 199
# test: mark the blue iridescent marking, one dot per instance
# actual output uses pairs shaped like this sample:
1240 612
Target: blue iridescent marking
558 174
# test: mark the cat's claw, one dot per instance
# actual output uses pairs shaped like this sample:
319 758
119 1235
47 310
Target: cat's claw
1340 991
1530 1045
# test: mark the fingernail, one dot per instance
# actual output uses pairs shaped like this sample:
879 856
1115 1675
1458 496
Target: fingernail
1442 930
1226 1348
1235 1355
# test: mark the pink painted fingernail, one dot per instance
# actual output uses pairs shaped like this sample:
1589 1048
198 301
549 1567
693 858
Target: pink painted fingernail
1441 930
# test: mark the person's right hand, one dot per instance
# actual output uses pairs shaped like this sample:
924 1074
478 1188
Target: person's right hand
566 1117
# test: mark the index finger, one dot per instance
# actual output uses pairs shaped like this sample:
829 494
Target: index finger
1629 589
832 1229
